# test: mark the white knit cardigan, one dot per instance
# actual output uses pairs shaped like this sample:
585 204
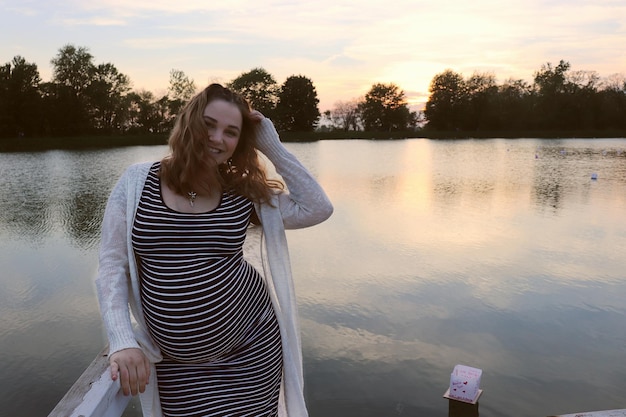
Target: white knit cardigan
304 204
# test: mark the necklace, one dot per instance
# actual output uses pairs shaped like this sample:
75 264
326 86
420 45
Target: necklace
192 197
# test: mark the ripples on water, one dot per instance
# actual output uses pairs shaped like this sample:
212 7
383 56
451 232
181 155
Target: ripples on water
499 254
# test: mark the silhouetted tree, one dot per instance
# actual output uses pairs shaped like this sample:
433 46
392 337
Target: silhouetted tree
106 96
445 103
297 109
73 71
611 104
20 110
73 68
550 85
6 123
514 105
179 92
143 113
479 101
259 88
581 99
385 109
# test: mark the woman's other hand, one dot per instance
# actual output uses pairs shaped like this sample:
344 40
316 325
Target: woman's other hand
133 368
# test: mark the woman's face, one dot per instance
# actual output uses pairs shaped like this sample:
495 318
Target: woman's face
224 123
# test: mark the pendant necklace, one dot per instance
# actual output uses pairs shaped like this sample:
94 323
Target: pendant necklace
192 197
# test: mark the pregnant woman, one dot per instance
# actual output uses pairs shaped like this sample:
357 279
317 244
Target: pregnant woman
192 326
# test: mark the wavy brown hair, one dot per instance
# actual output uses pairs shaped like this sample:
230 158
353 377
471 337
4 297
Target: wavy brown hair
190 166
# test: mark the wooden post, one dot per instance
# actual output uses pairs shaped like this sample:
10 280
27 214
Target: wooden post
94 394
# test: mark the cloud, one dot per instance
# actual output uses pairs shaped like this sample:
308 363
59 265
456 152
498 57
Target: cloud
343 46
170 42
93 21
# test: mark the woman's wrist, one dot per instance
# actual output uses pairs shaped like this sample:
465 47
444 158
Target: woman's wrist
267 138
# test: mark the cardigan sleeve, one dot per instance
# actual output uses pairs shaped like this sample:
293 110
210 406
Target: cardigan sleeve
113 278
304 203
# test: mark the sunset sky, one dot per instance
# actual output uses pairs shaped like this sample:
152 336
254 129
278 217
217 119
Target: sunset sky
343 46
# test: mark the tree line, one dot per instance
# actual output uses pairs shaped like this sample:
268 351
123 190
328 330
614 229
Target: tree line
84 98
87 98
559 99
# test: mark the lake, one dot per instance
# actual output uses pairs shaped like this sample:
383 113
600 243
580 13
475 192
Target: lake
504 255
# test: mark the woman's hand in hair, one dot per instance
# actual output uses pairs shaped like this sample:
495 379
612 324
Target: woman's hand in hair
256 116
267 140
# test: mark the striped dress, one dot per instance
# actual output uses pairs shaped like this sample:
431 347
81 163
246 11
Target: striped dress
206 308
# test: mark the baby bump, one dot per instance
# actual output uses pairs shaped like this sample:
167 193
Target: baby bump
205 315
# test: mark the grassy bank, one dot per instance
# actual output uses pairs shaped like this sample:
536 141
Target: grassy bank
457 134
102 142
79 142
518 134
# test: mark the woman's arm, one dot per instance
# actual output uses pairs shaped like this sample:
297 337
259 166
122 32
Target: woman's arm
305 203
112 281
112 284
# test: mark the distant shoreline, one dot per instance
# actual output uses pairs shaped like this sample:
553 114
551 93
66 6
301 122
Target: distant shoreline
435 134
115 141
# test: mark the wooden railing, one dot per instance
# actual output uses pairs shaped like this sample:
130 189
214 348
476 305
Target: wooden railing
94 394
608 413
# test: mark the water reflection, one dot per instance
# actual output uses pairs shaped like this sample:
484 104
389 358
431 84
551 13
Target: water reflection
462 264
45 193
499 254
22 205
51 204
